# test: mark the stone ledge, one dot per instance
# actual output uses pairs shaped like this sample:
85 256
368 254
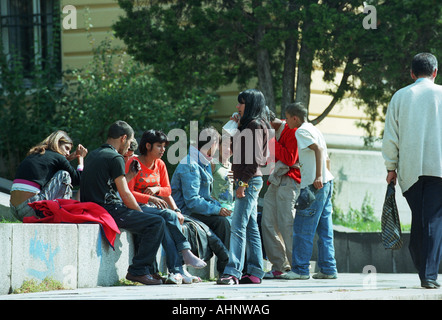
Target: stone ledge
76 255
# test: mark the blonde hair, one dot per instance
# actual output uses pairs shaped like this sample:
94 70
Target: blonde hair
52 142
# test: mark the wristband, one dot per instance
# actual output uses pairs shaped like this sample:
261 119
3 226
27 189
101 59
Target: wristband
80 167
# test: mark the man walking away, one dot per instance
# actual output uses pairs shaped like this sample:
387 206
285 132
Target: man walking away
412 149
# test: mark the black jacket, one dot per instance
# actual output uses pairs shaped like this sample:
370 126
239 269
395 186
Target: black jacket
205 242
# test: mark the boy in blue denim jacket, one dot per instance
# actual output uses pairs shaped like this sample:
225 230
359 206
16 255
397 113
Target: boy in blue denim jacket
192 184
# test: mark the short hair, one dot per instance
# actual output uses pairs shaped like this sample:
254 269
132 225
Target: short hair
118 129
423 64
206 135
133 145
297 109
151 136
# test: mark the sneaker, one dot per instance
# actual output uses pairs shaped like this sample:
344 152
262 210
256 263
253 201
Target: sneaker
321 275
294 276
273 274
174 278
189 279
249 279
227 279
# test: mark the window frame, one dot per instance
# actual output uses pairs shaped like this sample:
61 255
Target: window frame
45 24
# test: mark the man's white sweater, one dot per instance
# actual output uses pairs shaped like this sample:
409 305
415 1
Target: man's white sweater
412 142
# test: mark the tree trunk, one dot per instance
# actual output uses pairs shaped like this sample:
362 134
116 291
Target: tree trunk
305 67
339 94
265 80
291 48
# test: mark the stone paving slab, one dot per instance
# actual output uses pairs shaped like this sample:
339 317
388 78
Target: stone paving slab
347 287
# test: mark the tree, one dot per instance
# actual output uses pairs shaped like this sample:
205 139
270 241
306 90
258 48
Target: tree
212 43
404 29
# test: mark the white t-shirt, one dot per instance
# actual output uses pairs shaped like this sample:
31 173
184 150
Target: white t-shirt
306 135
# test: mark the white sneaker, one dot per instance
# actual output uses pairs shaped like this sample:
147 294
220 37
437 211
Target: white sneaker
189 279
172 278
294 276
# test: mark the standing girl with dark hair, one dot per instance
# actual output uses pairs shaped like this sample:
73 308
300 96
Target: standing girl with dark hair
249 154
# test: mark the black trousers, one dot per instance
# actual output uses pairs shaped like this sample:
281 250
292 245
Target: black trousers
425 201
149 229
221 227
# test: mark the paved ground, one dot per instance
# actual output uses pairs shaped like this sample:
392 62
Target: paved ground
347 287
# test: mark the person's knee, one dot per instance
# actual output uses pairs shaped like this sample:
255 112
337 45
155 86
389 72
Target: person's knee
63 176
159 223
222 223
169 215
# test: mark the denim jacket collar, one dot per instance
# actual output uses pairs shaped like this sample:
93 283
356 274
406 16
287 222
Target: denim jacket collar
198 157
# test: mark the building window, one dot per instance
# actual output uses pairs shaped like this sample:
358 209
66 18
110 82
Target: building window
30 32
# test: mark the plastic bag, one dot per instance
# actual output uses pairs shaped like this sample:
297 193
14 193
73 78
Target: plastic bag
390 224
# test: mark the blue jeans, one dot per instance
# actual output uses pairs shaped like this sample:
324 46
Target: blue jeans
316 218
174 240
245 234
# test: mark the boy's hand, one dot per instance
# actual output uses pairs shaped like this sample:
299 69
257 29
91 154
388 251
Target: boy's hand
135 167
318 183
225 212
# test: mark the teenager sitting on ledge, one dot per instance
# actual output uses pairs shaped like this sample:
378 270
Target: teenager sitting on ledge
46 174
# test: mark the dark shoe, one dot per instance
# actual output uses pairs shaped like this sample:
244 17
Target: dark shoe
249 279
430 284
146 279
158 276
227 279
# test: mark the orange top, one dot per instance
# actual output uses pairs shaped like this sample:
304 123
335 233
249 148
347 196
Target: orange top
156 177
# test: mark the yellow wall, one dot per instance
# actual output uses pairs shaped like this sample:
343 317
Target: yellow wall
94 18
101 14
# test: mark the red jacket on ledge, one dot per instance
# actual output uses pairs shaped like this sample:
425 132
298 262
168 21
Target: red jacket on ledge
73 211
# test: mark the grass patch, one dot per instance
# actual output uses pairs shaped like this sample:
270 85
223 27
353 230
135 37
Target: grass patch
125 282
48 284
3 220
362 220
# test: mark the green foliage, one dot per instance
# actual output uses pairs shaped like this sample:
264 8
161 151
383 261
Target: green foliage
85 102
28 107
363 220
212 43
404 29
115 87
220 40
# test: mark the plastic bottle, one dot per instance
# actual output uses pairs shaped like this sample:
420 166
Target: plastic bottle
231 127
